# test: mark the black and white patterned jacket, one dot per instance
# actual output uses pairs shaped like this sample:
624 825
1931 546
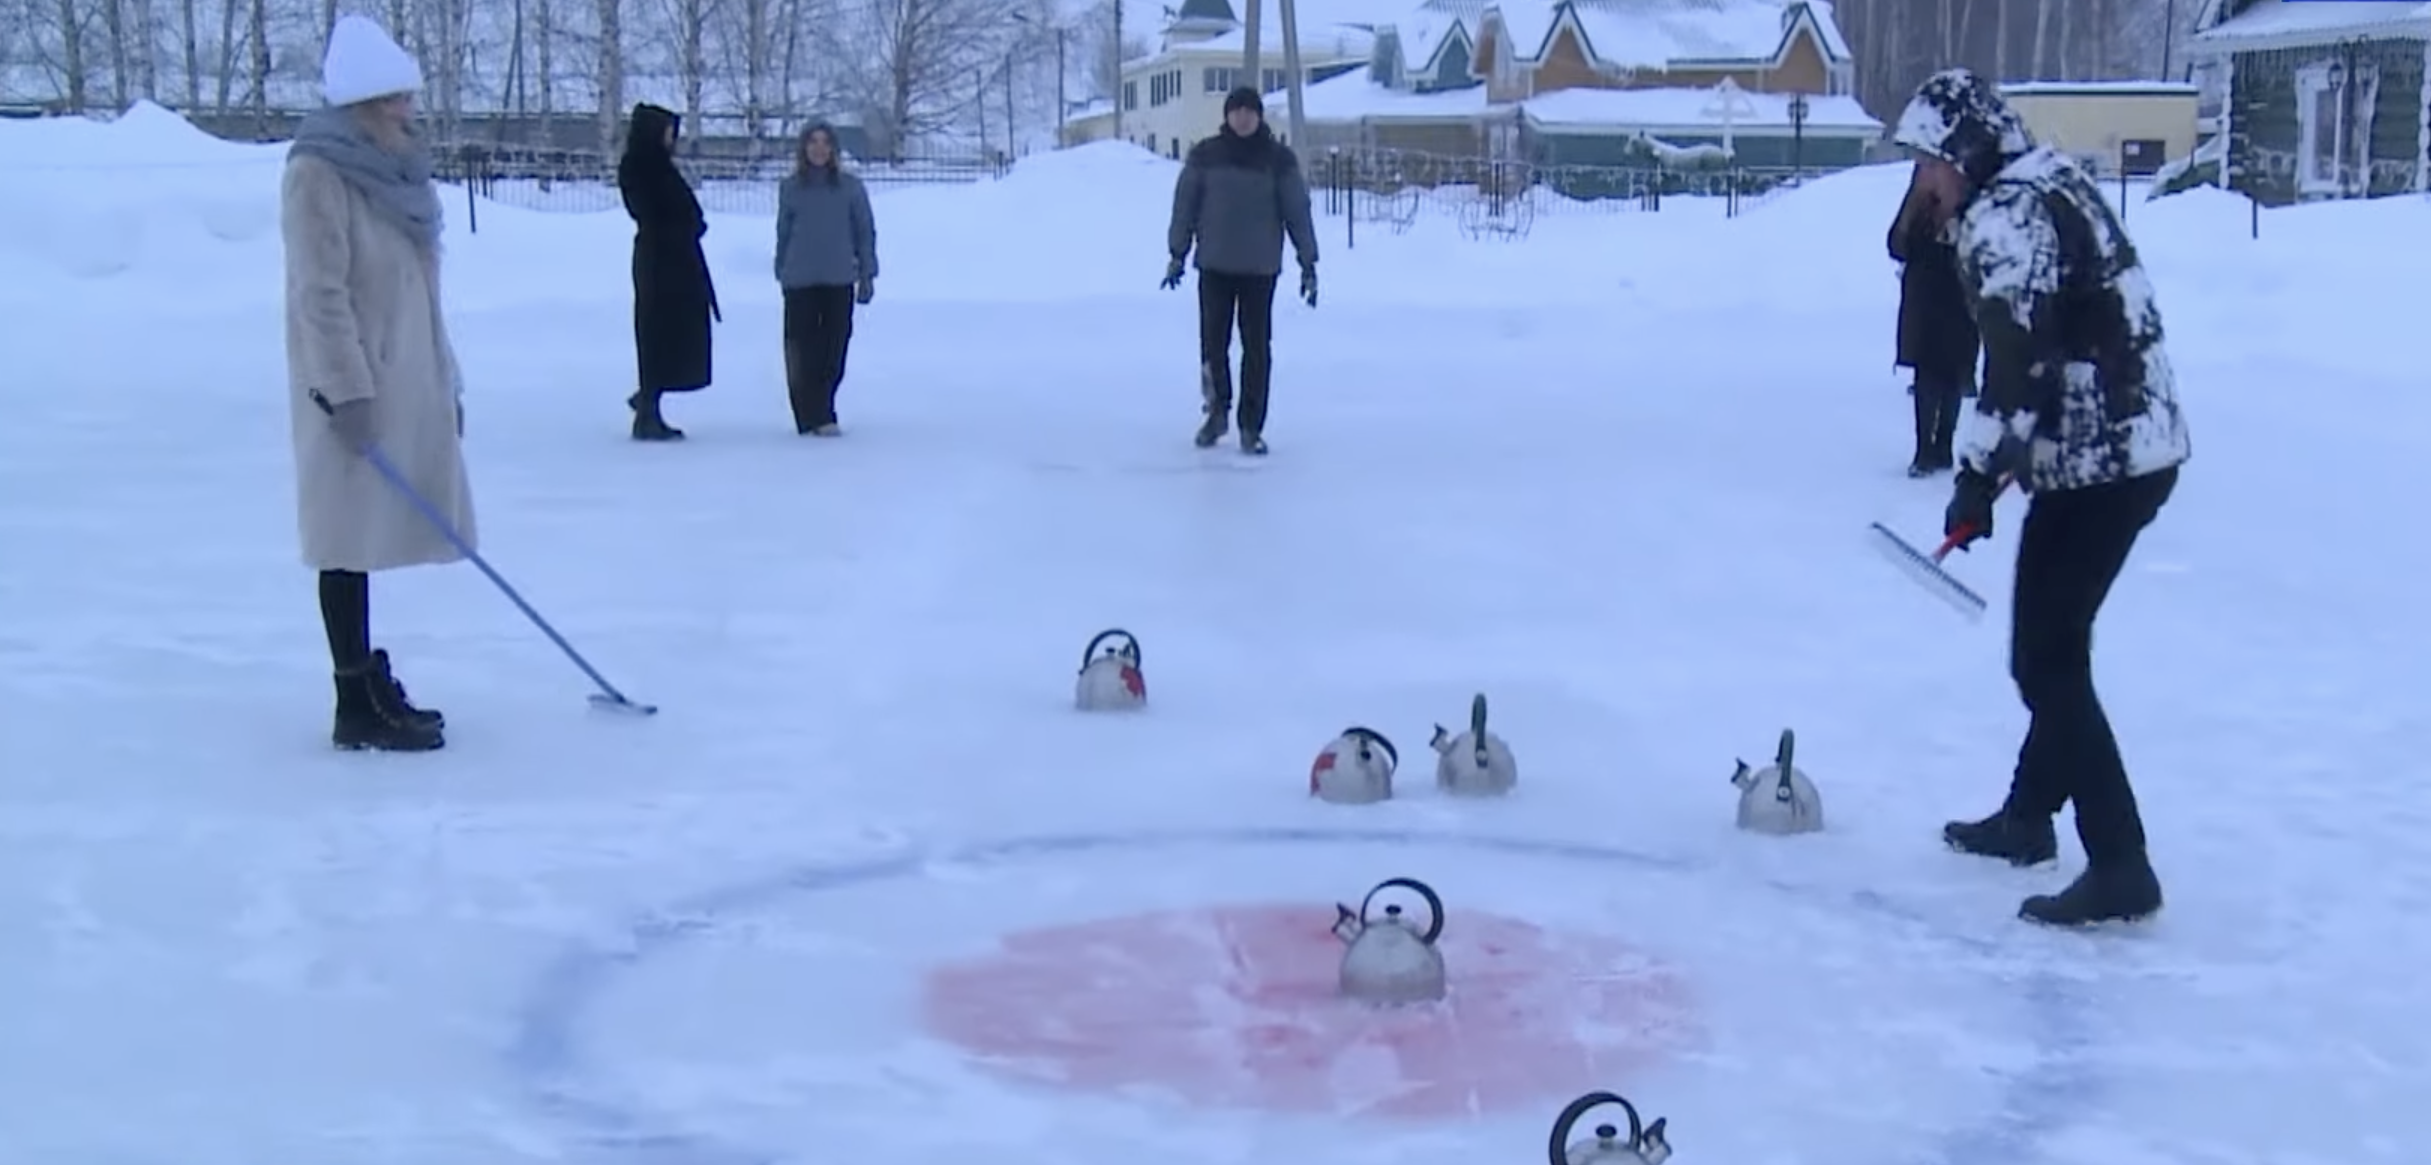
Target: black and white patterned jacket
2077 384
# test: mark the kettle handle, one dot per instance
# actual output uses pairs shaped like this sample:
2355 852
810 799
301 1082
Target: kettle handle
1392 756
1781 760
1477 727
1129 647
1434 903
1557 1150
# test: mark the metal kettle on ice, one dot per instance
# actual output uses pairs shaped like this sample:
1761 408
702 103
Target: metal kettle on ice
1110 677
1778 799
1386 959
1643 1144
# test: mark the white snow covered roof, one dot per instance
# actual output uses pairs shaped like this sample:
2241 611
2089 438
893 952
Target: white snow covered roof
2278 24
1659 33
2099 89
1693 110
1351 97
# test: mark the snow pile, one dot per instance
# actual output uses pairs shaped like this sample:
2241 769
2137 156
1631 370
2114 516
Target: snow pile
92 200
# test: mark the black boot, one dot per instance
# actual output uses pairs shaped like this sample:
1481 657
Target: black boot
396 693
2020 839
1253 444
1920 463
1215 398
1945 430
2126 892
370 717
649 424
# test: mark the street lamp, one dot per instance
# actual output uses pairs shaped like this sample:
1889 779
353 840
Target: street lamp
1797 133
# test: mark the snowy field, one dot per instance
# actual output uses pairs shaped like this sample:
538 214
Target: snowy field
1615 476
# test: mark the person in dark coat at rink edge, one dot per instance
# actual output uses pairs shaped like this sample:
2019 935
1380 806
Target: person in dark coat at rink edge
827 262
1240 193
2079 408
1937 337
674 299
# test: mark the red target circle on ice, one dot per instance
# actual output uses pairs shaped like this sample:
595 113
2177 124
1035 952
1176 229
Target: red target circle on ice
1238 1007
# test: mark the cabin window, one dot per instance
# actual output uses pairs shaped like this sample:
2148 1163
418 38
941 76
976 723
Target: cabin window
2320 127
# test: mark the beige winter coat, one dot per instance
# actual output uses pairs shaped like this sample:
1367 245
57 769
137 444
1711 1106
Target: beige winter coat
363 321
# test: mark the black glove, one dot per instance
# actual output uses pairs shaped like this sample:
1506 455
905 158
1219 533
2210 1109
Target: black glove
865 290
1173 274
1308 284
459 418
1969 518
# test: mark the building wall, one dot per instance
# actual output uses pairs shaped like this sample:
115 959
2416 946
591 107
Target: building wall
2091 125
2266 129
1197 110
1566 65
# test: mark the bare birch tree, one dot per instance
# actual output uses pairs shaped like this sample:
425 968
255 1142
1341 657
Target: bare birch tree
915 68
611 65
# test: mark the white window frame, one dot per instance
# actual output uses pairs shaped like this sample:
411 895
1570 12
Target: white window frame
2312 83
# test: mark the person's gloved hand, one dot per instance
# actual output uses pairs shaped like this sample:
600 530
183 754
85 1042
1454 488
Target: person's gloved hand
460 418
355 424
864 290
1173 273
1308 284
1968 519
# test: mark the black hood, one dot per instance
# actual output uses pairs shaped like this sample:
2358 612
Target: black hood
646 129
1961 118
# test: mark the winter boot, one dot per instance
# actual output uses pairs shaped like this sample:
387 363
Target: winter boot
369 717
1215 398
2020 839
1945 431
1253 444
649 424
2126 892
1920 463
396 692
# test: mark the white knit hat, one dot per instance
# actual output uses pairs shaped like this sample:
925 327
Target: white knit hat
364 63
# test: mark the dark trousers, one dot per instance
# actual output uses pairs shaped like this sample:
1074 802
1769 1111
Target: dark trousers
818 332
1937 400
1249 299
2073 546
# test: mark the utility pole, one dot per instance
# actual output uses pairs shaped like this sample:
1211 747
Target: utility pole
1254 77
1117 50
1063 105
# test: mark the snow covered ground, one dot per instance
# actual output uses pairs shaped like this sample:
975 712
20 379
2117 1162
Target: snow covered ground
1613 475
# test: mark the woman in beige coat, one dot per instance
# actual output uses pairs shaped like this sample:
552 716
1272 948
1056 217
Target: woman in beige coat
360 218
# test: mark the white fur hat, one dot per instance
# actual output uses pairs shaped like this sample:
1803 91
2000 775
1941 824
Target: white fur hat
365 63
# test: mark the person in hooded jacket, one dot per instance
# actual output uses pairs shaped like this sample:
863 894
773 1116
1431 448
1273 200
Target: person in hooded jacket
1240 193
370 369
827 262
674 300
1937 337
2079 409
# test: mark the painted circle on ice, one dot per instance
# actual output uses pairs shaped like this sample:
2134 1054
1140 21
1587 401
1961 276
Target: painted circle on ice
1238 1007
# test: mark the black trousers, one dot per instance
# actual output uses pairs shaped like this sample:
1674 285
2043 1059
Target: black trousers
1937 400
818 333
1249 299
2073 546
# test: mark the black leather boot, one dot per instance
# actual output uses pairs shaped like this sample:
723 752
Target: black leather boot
370 715
2020 839
2125 892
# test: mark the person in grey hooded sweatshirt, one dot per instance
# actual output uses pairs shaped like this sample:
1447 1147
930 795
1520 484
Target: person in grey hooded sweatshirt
827 262
1240 193
2079 409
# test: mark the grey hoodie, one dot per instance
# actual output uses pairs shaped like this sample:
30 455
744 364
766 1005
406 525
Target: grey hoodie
826 235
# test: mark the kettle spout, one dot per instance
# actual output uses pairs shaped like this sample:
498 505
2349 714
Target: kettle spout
1743 776
1441 741
1346 923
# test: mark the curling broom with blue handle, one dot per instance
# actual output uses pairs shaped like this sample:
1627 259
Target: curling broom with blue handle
607 696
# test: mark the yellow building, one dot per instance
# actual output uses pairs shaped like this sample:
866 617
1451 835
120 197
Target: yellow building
2095 121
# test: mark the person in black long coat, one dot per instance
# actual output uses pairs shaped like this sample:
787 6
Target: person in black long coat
1938 339
674 300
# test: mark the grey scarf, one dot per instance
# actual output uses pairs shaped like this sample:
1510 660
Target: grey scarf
398 185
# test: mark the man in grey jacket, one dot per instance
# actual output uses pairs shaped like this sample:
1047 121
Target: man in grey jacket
1240 192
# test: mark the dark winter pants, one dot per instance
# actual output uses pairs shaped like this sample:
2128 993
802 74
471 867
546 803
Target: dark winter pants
818 331
346 617
1937 400
1250 299
2074 544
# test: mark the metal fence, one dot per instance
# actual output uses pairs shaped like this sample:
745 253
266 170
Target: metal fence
1496 198
579 181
